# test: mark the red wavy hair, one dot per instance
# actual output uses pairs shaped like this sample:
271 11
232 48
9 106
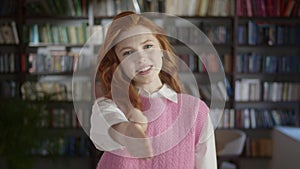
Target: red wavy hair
109 61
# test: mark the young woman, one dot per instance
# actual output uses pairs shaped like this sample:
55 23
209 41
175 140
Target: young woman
144 119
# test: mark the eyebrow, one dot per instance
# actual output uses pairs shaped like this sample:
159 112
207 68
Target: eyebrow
146 41
124 49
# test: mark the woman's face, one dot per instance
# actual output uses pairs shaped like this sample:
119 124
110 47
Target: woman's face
141 56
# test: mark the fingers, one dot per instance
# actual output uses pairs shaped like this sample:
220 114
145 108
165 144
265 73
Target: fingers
136 116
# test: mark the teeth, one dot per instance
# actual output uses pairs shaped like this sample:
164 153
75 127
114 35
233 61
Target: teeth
144 69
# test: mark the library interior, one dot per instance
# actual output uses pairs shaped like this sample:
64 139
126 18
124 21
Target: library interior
45 111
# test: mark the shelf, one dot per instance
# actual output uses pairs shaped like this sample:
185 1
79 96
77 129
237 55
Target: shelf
271 19
9 47
287 46
288 77
266 104
276 50
214 18
268 47
256 157
102 17
76 132
205 19
32 45
4 19
36 75
55 19
86 74
207 78
9 76
198 18
228 104
202 78
259 132
59 103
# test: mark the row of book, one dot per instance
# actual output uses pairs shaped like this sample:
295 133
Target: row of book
45 91
8 7
270 8
57 8
113 7
174 7
281 91
59 118
63 146
218 91
200 7
266 33
9 62
255 90
55 62
56 34
255 63
57 59
251 118
69 34
9 89
217 34
205 62
9 33
60 90
258 147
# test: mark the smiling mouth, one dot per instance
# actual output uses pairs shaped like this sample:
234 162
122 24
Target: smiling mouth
144 70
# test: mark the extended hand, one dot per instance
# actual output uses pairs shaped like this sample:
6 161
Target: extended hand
133 137
137 143
136 116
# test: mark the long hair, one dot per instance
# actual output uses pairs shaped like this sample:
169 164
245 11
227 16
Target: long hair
109 61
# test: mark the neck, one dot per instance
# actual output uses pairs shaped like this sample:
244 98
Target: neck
151 87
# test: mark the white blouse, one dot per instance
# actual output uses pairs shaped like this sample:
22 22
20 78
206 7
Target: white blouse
105 113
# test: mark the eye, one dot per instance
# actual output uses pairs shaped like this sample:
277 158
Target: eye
148 46
126 53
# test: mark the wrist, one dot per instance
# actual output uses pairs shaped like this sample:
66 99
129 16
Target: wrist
119 132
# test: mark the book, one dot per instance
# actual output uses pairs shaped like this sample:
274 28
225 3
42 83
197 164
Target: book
288 8
8 34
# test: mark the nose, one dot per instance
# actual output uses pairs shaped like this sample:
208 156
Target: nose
141 57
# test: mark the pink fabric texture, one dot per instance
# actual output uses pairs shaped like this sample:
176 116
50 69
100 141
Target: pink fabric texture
173 140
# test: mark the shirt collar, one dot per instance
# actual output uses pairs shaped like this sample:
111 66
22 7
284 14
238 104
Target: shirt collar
165 91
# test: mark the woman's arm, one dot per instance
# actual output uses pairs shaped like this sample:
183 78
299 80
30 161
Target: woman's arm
105 114
111 130
133 137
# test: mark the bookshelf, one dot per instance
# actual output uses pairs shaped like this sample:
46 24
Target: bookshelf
262 70
265 63
36 64
10 50
257 46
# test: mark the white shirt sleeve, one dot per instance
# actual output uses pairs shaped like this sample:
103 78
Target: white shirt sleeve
205 153
105 113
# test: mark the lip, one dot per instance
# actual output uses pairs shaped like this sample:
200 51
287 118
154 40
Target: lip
144 70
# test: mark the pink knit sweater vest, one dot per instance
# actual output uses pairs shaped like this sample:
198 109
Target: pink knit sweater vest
174 139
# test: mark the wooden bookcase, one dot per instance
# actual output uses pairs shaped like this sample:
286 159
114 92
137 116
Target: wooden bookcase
247 61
